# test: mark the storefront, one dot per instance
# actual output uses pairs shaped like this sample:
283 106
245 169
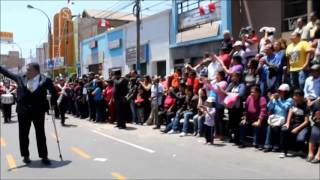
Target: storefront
92 53
115 52
197 27
154 50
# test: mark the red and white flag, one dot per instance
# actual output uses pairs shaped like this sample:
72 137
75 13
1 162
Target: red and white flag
207 8
104 23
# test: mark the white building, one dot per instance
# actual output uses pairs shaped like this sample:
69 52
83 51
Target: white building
154 40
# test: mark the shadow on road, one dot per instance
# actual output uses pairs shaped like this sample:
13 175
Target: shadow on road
130 128
38 164
219 145
70 125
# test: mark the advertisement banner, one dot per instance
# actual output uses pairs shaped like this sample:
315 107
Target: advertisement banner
6 37
193 18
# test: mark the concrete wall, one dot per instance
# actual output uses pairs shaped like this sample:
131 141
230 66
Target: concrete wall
261 12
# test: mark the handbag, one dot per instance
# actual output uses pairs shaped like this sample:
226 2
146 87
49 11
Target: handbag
231 100
275 120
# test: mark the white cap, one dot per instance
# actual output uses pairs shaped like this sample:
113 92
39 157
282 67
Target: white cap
284 87
237 43
226 32
211 99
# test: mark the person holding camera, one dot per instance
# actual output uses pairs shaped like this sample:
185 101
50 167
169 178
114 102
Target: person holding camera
278 107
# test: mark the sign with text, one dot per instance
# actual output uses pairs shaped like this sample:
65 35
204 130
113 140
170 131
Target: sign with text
6 37
114 44
131 54
58 62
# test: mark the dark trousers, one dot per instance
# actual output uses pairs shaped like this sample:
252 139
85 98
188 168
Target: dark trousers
235 115
140 115
37 118
120 114
56 112
84 109
208 133
100 111
6 108
92 109
295 140
62 111
219 122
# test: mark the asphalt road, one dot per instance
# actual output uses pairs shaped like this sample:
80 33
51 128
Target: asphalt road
100 151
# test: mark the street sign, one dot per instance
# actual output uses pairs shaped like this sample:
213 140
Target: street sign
50 64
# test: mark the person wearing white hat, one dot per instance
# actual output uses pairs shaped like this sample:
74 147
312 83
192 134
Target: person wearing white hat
209 112
238 51
279 104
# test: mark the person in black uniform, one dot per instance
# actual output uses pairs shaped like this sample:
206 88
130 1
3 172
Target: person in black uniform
90 86
119 93
32 104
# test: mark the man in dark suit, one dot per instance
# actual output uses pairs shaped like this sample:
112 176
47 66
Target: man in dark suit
119 93
32 104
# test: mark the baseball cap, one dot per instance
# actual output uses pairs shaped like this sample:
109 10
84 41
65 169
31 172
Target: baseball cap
284 87
210 99
315 67
237 43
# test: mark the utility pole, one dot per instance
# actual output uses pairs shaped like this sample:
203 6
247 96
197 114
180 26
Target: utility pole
137 11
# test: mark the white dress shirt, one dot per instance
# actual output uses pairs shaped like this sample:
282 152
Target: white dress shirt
213 68
33 84
312 87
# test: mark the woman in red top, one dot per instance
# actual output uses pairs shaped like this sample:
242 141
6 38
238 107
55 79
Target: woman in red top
168 112
193 81
107 95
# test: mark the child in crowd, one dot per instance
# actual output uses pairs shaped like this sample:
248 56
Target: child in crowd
209 111
140 105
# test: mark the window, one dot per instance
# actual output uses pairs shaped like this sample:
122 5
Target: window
293 9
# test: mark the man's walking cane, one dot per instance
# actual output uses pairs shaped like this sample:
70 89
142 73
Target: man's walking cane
54 125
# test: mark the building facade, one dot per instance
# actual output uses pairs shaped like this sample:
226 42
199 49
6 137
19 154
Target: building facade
12 61
192 33
154 40
63 42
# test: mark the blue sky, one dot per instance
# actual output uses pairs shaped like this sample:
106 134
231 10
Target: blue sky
29 26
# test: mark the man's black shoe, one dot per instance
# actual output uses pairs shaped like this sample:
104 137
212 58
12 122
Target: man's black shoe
267 150
46 161
164 131
26 160
157 127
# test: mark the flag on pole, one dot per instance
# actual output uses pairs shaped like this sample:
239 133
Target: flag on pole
104 23
207 8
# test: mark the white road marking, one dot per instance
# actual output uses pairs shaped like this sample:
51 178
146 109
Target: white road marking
100 159
125 142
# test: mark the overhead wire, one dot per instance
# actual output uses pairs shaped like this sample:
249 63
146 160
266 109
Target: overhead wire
123 7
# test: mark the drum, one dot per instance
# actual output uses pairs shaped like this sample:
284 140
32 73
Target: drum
7 99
